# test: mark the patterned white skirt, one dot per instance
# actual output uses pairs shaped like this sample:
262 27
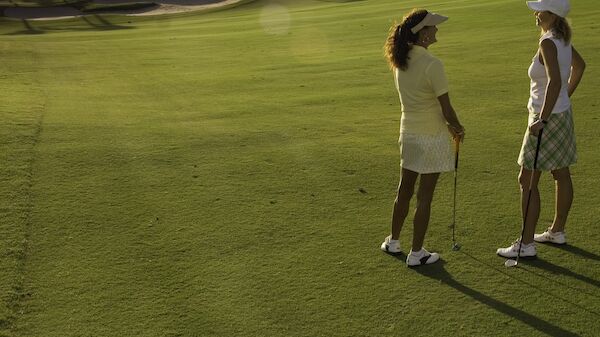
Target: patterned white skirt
426 153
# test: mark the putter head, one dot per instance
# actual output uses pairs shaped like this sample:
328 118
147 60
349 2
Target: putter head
510 263
456 247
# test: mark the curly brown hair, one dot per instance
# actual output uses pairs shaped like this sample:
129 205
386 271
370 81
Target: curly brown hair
400 39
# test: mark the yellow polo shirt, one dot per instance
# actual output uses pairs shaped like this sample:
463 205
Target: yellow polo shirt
419 87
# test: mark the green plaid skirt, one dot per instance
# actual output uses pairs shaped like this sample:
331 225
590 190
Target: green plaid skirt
557 149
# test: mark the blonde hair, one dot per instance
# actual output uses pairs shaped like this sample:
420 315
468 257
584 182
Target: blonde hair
562 29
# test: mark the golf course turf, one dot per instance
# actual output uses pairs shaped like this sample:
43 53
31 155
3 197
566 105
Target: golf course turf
232 173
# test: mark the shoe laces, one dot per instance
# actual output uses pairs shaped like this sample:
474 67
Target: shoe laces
517 244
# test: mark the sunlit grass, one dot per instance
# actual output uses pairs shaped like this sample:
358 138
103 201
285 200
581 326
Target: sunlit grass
232 173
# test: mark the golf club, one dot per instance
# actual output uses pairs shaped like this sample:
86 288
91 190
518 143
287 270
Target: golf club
511 262
455 245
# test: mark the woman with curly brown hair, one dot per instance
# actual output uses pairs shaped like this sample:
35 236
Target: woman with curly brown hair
427 116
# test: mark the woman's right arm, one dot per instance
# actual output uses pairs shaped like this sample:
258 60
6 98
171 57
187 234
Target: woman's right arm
577 68
457 130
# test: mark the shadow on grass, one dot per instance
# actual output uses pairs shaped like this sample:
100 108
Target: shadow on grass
556 269
102 24
437 272
342 1
502 270
29 29
577 251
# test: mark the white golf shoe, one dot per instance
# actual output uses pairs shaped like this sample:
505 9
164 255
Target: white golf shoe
527 250
391 246
421 257
559 238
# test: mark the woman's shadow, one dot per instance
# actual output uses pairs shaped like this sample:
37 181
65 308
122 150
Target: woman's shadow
437 272
577 251
556 269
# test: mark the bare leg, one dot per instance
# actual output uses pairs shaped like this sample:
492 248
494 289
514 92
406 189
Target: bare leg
533 212
402 202
564 198
423 211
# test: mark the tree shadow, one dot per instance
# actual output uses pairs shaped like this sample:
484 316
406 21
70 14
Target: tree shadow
169 2
29 29
99 23
102 23
342 1
437 272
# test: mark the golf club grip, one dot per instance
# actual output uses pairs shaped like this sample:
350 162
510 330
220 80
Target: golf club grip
456 148
537 149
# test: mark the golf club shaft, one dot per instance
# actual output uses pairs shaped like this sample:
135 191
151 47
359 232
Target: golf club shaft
456 148
535 159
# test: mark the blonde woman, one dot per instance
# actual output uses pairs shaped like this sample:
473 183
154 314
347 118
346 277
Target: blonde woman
427 116
555 72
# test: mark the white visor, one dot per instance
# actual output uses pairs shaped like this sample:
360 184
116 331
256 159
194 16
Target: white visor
558 7
431 19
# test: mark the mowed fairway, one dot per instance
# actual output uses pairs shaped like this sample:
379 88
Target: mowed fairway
232 174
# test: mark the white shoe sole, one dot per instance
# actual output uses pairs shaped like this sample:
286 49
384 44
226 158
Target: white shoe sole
545 240
386 248
514 256
429 259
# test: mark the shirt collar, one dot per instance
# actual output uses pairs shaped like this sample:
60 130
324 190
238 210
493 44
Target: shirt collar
547 35
418 50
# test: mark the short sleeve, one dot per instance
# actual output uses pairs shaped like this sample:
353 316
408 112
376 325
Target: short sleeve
437 77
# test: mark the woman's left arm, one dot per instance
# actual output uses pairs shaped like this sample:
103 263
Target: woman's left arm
577 68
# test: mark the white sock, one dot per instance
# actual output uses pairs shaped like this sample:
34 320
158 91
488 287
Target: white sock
417 253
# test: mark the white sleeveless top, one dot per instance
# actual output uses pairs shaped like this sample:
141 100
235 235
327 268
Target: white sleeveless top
539 79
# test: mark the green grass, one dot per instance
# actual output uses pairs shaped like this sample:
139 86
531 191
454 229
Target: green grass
200 175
